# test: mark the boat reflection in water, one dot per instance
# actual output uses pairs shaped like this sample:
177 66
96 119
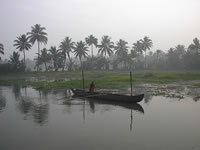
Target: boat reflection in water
133 107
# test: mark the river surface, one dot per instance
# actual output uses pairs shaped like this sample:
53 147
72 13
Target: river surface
43 120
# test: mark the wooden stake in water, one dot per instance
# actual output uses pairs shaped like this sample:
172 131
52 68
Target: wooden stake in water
83 80
131 82
131 124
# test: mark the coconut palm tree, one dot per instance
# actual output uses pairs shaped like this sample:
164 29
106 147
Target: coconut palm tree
158 52
180 50
146 45
121 47
172 59
195 46
121 50
80 50
38 34
67 47
1 49
91 41
14 58
22 43
137 47
180 53
102 63
55 56
44 58
15 61
106 46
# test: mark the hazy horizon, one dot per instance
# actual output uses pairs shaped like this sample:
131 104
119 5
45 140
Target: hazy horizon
167 23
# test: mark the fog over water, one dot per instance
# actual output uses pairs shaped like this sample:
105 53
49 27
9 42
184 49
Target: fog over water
167 22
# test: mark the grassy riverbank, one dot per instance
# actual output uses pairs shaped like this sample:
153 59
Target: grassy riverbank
103 80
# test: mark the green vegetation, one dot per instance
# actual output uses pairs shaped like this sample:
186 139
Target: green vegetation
103 80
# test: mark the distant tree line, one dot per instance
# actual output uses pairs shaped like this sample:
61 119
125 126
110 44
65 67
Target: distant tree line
111 56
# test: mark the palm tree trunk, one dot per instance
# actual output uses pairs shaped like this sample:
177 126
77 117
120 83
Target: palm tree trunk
55 66
38 54
92 49
69 57
125 66
70 61
45 66
24 59
64 63
145 60
81 63
157 61
38 48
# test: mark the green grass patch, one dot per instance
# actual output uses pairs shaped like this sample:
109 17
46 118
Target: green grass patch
102 79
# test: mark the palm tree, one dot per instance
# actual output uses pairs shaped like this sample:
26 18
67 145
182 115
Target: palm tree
180 53
91 40
102 63
172 59
121 47
133 54
195 46
146 45
14 58
55 56
44 57
121 50
106 46
37 34
137 47
67 46
158 52
15 61
80 50
129 61
22 43
1 49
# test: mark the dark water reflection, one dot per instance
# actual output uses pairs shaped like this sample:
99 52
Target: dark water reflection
35 108
42 120
2 101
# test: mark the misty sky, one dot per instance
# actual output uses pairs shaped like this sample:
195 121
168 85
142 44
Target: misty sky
166 22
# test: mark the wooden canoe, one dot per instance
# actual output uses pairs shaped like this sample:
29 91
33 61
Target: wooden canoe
108 96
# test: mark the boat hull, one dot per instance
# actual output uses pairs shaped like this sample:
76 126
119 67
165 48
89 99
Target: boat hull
108 96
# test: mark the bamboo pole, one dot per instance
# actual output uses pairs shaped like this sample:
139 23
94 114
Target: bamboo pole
131 83
83 80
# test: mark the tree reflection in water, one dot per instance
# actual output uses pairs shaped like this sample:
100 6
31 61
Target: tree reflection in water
40 113
17 91
25 106
2 101
36 108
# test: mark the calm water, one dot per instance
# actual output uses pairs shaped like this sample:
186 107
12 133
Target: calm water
41 120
